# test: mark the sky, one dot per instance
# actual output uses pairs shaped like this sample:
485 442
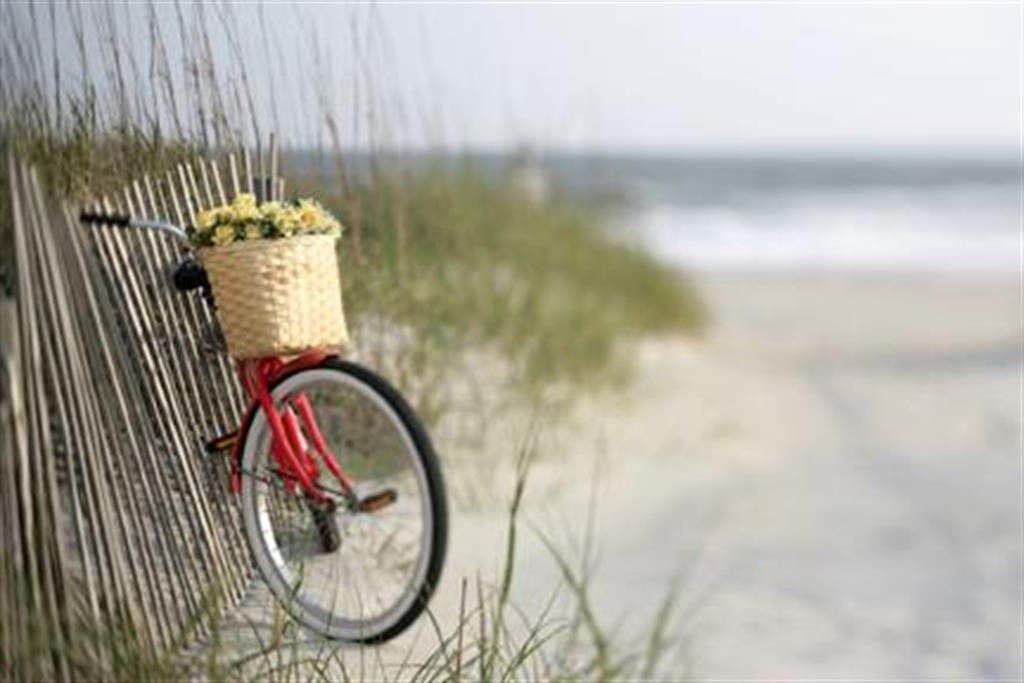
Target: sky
746 77
808 77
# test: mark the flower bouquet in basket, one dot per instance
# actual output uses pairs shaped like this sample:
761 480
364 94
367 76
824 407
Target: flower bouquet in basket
273 269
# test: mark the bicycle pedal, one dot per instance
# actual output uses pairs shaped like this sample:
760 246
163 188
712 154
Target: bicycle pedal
377 501
221 444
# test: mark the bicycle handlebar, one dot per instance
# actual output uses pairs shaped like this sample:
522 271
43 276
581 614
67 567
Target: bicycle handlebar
105 218
122 221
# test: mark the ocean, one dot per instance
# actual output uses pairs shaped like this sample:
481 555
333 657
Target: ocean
821 214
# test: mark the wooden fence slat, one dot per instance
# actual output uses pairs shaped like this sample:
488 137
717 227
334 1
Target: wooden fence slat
110 516
166 408
30 360
127 450
9 408
196 400
220 363
248 181
128 403
220 197
271 177
236 185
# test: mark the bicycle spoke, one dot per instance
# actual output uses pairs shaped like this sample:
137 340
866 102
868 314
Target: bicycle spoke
372 576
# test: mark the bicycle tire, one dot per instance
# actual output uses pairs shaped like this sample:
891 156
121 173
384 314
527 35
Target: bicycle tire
273 570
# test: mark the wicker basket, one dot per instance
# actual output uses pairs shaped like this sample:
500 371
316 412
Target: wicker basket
277 297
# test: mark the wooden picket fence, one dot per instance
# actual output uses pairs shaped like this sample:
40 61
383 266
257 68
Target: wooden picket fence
113 524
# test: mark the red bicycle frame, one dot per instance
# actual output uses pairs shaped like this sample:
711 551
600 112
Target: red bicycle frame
294 429
298 446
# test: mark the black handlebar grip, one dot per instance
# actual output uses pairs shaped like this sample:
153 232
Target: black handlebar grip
105 218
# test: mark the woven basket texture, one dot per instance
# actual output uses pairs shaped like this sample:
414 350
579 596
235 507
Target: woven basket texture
277 297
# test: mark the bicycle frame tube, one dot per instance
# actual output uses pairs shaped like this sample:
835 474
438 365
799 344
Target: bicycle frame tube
289 446
313 429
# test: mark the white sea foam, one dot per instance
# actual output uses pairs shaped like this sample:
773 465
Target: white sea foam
964 230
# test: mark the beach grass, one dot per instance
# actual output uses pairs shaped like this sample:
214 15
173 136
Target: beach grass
491 640
445 259
456 257
465 260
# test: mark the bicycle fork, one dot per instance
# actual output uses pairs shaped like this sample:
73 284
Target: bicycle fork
290 449
297 442
292 454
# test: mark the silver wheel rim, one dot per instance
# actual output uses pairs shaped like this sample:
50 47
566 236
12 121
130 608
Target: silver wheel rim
271 560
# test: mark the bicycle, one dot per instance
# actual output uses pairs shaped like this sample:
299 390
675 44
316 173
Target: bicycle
340 486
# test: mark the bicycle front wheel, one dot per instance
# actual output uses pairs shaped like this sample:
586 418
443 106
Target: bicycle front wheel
360 574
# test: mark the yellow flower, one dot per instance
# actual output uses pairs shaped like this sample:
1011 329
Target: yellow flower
286 222
206 219
223 235
309 216
244 219
247 214
244 200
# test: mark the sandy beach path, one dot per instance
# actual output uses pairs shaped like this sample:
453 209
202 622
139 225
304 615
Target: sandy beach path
833 477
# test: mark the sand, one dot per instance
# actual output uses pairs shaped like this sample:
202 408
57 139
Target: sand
831 479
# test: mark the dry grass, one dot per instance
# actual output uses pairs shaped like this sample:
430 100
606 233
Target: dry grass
492 639
444 260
